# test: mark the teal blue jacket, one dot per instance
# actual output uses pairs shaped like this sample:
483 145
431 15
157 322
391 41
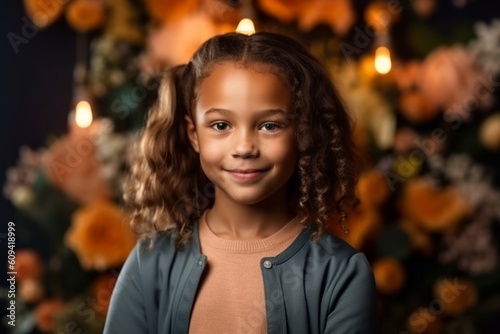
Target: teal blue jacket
311 287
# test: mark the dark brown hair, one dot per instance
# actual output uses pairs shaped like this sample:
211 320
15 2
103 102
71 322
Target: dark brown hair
168 190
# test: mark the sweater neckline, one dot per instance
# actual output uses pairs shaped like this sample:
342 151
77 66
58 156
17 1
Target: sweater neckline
290 230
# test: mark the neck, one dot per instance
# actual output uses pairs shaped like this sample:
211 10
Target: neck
231 220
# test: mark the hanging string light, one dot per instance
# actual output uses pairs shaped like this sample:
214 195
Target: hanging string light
246 27
383 61
380 15
382 53
81 116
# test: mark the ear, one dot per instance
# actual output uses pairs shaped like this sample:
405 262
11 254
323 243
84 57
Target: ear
192 134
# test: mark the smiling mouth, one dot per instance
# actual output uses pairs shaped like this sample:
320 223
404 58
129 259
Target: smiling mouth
246 171
246 174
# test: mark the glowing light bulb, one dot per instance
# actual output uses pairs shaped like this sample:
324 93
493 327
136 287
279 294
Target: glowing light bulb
246 27
382 60
83 114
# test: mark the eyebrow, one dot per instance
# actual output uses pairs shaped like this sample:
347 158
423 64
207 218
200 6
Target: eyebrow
265 112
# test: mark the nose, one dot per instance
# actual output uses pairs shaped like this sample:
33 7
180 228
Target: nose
245 145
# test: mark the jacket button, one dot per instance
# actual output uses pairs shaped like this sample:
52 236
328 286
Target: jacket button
267 264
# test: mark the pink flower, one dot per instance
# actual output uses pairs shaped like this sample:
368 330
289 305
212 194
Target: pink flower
29 265
31 291
46 313
405 140
72 166
102 289
451 80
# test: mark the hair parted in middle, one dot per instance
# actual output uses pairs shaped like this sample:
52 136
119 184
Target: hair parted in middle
167 189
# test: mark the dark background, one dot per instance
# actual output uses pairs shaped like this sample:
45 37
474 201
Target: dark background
35 99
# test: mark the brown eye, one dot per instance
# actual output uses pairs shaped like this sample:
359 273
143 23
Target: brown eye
270 127
220 126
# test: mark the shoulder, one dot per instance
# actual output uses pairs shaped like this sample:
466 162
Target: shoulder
160 254
346 270
156 246
334 258
331 248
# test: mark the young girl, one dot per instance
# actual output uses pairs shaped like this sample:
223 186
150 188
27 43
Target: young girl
245 160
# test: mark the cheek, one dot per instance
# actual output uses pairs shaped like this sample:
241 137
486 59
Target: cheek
283 152
210 151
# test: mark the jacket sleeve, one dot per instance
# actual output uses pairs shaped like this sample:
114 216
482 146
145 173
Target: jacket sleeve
126 312
354 300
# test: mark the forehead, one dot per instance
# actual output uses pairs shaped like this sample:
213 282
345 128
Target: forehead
243 65
235 84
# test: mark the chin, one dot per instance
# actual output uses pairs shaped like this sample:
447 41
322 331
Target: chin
247 200
250 196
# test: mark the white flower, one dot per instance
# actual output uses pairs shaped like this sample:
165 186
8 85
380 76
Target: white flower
486 48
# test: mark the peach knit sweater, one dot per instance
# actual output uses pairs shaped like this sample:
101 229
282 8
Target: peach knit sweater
231 294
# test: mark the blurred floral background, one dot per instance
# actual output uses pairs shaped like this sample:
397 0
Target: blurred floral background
421 78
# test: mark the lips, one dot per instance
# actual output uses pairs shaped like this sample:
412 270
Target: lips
246 171
246 174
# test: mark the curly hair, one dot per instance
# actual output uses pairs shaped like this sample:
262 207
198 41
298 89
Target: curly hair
167 189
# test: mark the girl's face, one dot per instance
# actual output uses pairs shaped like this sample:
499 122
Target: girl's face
243 130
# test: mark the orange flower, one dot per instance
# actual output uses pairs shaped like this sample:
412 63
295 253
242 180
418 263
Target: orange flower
43 12
457 295
28 265
102 289
416 107
372 189
419 239
363 224
72 166
424 321
171 10
285 10
406 74
380 15
176 42
99 237
46 313
336 13
424 8
433 209
85 15
389 275
365 221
